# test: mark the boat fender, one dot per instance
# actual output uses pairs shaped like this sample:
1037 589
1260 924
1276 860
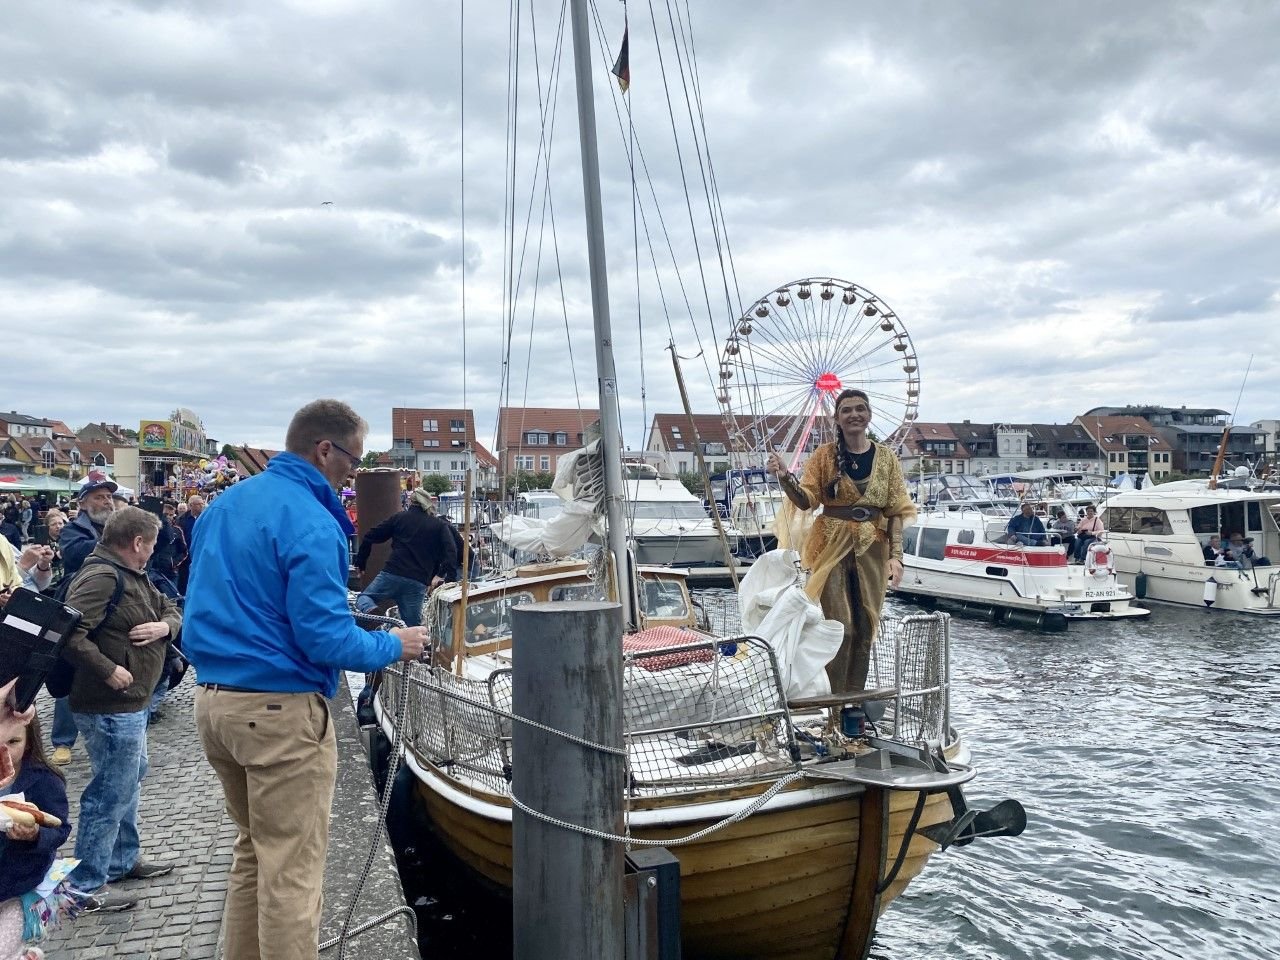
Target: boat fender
1099 562
1210 591
1140 586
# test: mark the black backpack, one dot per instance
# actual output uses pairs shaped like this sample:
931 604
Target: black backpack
63 674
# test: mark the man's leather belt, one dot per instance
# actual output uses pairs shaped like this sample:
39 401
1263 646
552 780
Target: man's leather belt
862 514
228 688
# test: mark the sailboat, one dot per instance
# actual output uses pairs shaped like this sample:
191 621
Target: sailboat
821 822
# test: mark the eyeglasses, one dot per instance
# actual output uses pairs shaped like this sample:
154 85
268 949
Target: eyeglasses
355 461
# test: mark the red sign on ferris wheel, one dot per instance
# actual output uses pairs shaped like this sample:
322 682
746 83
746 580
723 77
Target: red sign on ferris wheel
828 383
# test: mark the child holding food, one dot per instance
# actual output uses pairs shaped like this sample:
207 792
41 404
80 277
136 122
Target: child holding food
32 897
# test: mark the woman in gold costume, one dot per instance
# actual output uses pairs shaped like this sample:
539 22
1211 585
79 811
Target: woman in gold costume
853 550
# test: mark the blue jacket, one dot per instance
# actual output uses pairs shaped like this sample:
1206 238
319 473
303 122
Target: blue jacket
266 604
27 861
77 540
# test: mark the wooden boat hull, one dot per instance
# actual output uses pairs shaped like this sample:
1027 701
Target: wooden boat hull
790 883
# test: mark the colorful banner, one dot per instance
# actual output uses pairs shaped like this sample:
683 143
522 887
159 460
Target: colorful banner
182 433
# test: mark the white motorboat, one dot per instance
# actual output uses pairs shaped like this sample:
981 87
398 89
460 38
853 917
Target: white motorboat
668 524
960 555
1158 535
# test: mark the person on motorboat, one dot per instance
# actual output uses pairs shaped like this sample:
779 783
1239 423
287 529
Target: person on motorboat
1064 528
1215 555
1088 529
1240 549
853 550
1025 528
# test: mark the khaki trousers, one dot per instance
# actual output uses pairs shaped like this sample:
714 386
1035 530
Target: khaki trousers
277 758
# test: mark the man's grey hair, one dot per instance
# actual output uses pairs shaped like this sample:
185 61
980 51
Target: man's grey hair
127 523
324 420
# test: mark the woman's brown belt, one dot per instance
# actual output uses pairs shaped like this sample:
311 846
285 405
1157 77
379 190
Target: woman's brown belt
852 513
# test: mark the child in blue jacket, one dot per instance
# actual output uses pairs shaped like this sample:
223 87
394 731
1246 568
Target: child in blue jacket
28 854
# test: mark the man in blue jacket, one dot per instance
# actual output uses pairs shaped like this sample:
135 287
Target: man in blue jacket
1025 528
268 630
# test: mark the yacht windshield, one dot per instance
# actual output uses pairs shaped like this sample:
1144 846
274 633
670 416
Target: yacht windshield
666 510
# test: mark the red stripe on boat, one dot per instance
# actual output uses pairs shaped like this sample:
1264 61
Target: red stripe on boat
1035 557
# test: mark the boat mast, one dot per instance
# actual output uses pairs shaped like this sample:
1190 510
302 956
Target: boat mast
610 428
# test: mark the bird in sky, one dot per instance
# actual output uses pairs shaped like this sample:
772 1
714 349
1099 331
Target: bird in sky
327 203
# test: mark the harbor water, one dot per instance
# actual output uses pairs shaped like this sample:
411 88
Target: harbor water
1147 754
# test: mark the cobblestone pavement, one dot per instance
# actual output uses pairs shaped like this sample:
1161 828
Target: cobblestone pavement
181 820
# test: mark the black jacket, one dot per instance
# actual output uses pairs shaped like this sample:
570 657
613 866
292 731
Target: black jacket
77 540
422 546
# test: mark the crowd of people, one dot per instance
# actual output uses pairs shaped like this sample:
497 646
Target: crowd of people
255 593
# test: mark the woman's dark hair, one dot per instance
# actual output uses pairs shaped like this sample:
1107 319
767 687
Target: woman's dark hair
34 752
843 458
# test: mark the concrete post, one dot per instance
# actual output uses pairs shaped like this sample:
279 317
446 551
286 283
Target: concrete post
567 887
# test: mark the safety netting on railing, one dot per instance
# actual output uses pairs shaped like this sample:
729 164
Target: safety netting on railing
912 655
698 711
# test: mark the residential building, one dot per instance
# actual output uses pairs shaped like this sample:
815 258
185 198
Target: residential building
16 424
441 440
669 435
1194 434
104 432
533 439
252 460
987 448
40 453
1130 445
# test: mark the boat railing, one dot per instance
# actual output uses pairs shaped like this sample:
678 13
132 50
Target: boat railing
913 655
711 711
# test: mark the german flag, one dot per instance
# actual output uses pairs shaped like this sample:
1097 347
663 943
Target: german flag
622 66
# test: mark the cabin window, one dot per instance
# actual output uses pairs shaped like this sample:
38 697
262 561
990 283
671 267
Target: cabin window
997 571
933 542
490 619
1255 516
910 536
1204 519
664 600
1142 520
667 510
578 591
964 536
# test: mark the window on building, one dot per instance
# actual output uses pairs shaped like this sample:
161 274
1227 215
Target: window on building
544 464
524 463
679 446
537 437
99 460
457 426
457 464
562 439
430 426
675 431
431 443
47 459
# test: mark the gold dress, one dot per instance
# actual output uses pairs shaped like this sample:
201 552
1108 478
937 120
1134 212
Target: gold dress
847 560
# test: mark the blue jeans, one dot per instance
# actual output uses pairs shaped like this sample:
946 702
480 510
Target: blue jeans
107 836
405 593
64 724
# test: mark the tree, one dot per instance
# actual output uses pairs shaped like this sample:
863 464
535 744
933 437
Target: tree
520 481
60 472
370 459
436 483
229 452
692 481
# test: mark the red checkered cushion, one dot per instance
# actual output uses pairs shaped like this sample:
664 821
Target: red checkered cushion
657 637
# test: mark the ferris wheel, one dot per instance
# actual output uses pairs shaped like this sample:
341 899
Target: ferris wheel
793 351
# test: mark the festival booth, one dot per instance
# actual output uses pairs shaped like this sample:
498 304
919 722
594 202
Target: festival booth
174 461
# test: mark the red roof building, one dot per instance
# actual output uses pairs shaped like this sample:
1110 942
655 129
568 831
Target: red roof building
532 439
441 440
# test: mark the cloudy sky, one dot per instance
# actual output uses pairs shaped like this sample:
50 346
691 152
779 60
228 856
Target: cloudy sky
239 206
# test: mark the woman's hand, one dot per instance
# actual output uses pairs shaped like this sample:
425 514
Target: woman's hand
774 465
895 572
